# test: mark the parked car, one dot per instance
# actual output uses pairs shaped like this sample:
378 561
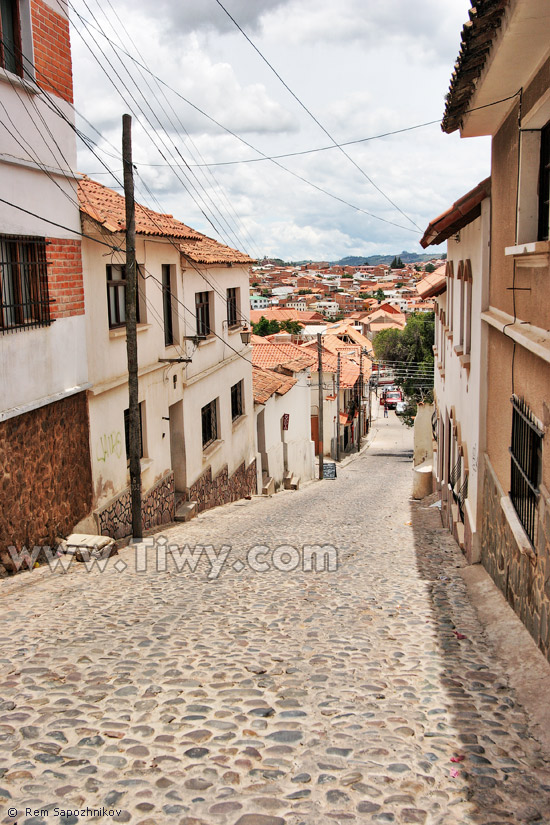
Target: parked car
400 407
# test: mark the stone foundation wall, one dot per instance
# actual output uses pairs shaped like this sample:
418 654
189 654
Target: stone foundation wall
209 492
45 475
157 507
524 581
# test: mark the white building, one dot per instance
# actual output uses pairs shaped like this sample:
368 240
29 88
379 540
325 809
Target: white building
43 369
195 375
282 411
259 302
460 359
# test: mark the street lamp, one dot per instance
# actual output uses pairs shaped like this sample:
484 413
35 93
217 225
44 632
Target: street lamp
245 334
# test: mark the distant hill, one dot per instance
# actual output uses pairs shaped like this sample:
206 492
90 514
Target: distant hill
373 260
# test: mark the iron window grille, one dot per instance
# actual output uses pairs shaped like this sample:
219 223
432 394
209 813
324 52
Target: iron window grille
24 298
11 58
461 497
167 306
237 405
544 184
526 454
456 472
232 309
209 415
116 295
202 309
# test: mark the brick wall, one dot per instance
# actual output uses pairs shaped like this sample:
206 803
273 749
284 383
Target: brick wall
45 474
52 50
65 282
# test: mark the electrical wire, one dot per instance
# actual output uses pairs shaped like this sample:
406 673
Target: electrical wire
316 120
245 142
217 186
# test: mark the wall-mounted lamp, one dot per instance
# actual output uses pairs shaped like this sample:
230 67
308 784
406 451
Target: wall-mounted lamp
246 332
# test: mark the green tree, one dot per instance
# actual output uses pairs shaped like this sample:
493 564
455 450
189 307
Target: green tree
294 327
265 327
380 295
304 292
410 350
429 268
365 295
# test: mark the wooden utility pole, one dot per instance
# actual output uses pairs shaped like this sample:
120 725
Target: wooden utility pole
359 413
320 371
134 424
338 410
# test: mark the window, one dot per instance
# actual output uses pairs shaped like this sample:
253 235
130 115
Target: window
167 306
10 37
232 307
202 309
237 401
526 454
23 283
467 306
209 415
544 184
127 431
116 295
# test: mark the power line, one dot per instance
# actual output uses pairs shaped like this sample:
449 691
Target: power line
241 139
312 116
217 186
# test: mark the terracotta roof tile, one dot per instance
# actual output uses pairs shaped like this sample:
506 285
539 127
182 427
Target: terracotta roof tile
107 207
266 383
283 355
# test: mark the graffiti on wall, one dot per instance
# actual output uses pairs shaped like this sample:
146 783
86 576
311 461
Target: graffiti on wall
109 444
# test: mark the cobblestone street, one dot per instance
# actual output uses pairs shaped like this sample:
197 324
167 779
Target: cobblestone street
366 693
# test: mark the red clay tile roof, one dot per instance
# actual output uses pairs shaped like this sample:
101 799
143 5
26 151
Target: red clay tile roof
433 284
283 355
107 207
476 42
460 214
266 383
285 315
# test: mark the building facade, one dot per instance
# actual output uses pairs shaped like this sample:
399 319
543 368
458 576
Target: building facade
505 56
195 373
46 483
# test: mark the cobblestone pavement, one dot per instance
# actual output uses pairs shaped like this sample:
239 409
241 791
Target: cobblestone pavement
263 698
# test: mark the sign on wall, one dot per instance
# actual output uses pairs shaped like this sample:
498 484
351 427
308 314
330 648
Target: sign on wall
286 419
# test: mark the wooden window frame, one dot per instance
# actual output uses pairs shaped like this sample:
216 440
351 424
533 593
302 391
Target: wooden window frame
17 47
209 423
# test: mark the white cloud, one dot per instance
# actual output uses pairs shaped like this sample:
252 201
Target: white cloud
362 67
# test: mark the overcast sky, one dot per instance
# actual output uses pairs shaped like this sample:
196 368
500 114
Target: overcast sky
361 67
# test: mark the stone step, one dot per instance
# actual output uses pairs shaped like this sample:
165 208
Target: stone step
294 483
186 511
268 487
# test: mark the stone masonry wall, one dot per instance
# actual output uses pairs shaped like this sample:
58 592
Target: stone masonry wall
45 474
525 582
209 492
157 507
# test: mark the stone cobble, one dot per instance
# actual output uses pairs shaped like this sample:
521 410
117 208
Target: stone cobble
264 695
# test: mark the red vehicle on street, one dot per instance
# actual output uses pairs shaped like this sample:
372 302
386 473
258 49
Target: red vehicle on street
391 397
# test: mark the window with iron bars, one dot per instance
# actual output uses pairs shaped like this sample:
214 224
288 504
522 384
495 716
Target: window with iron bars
209 415
526 455
24 299
459 486
232 307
